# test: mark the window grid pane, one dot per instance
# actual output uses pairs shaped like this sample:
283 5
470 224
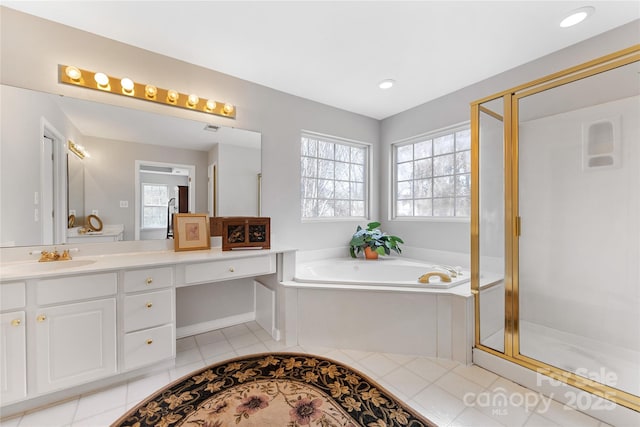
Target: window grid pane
333 178
155 199
432 176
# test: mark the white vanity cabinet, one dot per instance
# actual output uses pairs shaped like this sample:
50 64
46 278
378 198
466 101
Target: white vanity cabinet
148 316
13 356
75 330
69 328
229 269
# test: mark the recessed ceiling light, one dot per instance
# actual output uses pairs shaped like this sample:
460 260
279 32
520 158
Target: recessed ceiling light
576 16
386 84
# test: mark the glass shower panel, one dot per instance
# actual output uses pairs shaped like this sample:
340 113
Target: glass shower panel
491 224
579 203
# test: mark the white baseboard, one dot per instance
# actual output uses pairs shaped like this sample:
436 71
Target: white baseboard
199 328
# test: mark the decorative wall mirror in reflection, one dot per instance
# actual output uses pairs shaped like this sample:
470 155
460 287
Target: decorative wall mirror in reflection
42 183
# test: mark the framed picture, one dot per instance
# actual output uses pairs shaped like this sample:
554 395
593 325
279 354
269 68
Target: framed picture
191 232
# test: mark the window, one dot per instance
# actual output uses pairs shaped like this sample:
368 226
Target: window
334 177
155 199
432 175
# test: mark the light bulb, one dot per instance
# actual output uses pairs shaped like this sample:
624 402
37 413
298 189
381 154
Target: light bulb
151 91
576 16
228 108
127 85
101 79
386 84
193 100
211 105
73 73
172 95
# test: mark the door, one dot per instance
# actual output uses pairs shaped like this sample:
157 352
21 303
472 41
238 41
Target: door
47 191
13 370
76 343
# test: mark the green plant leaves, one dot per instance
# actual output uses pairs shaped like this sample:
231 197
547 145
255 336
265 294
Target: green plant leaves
372 237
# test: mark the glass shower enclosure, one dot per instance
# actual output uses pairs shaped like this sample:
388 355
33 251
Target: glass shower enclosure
556 225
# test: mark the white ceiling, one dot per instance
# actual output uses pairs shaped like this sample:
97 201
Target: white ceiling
336 53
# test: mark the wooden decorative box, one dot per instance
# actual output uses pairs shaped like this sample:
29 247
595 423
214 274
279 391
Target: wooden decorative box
242 231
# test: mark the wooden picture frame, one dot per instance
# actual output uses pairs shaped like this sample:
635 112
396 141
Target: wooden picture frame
191 232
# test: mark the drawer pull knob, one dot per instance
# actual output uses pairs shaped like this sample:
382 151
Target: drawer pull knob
149 280
41 318
149 341
16 322
149 304
231 269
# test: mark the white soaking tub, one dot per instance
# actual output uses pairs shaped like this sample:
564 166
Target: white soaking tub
378 306
381 272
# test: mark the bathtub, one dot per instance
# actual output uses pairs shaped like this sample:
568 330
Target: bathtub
377 306
382 272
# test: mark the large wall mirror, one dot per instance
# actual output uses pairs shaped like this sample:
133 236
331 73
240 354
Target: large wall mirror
137 161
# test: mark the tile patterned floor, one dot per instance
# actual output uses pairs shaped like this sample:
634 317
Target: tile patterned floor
446 392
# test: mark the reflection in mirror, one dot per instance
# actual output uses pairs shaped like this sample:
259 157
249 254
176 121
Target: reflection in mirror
117 138
75 185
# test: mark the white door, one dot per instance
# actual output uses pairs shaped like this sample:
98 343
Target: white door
46 194
76 343
13 369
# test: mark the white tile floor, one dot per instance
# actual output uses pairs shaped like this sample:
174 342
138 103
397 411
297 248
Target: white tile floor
446 392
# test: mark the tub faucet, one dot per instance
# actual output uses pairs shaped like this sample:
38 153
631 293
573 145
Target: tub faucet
453 271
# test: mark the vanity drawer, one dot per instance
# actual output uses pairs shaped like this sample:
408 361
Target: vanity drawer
12 295
229 269
149 346
63 289
148 278
148 309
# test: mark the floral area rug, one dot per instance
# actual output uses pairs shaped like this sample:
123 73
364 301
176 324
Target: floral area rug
273 389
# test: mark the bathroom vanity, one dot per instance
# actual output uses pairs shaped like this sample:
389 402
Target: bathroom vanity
72 326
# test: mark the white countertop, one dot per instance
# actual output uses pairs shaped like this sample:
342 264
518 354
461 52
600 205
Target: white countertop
21 270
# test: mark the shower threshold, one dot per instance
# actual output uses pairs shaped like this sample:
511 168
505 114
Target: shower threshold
609 364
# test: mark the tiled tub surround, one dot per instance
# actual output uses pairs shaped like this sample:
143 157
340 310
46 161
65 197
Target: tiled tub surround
340 302
70 327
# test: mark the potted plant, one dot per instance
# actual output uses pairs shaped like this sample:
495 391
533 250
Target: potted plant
373 242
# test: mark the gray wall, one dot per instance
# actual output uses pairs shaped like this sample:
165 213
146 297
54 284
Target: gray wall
454 108
31 61
32 48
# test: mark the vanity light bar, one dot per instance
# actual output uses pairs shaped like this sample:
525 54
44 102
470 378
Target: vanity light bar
74 76
78 150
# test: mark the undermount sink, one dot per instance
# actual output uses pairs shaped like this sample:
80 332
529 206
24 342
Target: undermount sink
37 267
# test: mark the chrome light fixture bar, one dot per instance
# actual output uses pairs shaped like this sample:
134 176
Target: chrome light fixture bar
74 76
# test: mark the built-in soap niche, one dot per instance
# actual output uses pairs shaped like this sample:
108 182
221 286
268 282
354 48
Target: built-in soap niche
601 144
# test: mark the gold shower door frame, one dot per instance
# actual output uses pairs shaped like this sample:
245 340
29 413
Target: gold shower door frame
510 100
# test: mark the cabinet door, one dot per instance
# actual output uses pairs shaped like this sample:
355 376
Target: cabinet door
75 343
13 371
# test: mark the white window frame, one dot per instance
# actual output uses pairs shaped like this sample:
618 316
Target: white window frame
366 176
393 180
142 205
